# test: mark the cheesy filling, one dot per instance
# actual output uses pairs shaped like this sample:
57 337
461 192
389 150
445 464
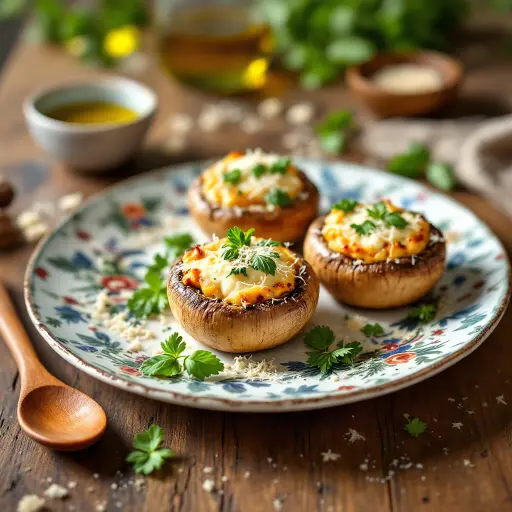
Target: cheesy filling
381 243
205 268
252 188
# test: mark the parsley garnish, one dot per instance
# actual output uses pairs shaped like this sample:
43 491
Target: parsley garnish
148 455
345 205
278 197
332 132
200 364
280 166
320 339
264 263
259 170
380 212
152 299
268 243
233 176
372 330
423 312
236 240
365 228
414 427
412 163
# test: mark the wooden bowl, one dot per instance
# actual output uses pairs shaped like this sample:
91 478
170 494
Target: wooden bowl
387 104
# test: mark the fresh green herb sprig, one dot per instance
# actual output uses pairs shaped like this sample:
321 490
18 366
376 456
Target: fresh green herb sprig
280 166
333 131
441 175
278 197
380 212
259 170
232 177
372 330
345 205
423 312
148 456
199 364
319 339
414 427
365 228
152 299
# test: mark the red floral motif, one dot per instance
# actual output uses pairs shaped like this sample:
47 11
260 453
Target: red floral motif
133 211
478 285
500 256
346 388
118 283
83 235
130 371
41 272
92 328
71 300
422 196
438 332
403 357
391 346
464 297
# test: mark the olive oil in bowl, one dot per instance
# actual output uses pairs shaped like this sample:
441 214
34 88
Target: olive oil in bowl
216 47
93 112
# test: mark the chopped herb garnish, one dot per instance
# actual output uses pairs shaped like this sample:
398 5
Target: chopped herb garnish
233 177
412 163
264 263
414 427
395 219
345 205
152 299
148 455
365 228
319 339
268 243
380 212
236 240
372 330
259 170
278 197
199 364
280 166
423 312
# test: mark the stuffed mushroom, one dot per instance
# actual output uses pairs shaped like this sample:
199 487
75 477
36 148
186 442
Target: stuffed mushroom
254 190
375 255
242 293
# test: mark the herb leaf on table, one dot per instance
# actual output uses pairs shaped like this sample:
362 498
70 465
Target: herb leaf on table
414 427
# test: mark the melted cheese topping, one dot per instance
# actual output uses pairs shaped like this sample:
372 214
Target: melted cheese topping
250 190
204 268
383 243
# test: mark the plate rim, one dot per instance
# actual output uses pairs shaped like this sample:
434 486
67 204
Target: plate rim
225 404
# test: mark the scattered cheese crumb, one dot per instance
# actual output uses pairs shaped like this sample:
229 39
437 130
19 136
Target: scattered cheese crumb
353 436
35 232
70 202
270 108
501 400
330 455
458 425
247 474
30 503
208 470
113 486
96 475
209 485
181 123
56 491
139 484
468 463
251 125
101 507
277 504
27 469
244 367
301 113
363 467
224 478
175 144
71 485
27 218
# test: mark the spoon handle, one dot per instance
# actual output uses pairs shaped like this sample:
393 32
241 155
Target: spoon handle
19 343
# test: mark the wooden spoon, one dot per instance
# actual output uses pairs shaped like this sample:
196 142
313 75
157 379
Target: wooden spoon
49 411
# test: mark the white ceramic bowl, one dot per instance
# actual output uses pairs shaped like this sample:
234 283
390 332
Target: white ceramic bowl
93 147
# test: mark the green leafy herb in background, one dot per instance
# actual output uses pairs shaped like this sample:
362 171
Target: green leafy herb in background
148 456
345 205
414 427
423 312
441 176
232 177
332 132
372 330
319 339
278 197
199 364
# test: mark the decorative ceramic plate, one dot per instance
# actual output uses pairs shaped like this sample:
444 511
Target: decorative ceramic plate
108 243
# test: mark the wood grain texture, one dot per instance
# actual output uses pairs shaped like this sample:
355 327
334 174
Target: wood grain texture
235 443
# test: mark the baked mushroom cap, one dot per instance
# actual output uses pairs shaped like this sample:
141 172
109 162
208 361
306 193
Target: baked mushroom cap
283 224
231 328
376 285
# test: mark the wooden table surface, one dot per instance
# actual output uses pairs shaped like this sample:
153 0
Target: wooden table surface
446 469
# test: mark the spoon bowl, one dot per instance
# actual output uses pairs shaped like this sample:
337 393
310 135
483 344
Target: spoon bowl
61 417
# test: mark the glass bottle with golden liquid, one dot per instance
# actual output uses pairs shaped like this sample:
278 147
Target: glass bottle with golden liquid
219 45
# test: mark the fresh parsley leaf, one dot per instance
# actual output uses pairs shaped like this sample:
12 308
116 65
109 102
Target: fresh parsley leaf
278 197
177 244
335 121
345 205
365 228
371 330
233 177
412 163
414 427
201 364
238 270
259 170
280 166
332 143
395 219
268 243
237 238
264 263
148 455
378 211
320 339
423 312
441 176
148 301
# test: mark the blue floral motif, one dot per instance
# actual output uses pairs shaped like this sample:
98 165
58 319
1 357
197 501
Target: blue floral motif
456 260
301 390
69 314
399 350
87 348
81 261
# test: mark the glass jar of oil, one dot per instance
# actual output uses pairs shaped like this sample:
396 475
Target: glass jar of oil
219 45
